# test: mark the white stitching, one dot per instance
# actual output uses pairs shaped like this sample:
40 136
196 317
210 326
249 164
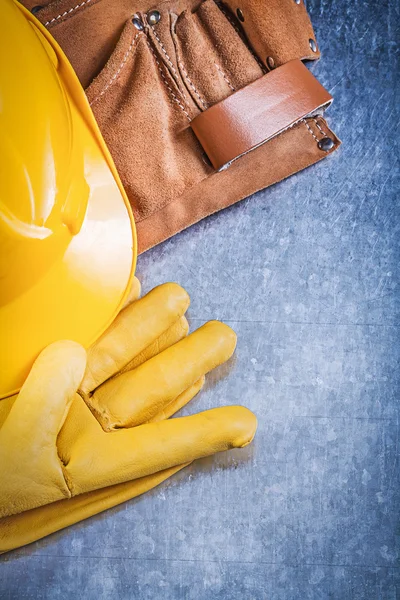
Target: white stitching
205 105
67 12
164 50
310 130
167 57
317 124
231 20
166 82
225 77
118 71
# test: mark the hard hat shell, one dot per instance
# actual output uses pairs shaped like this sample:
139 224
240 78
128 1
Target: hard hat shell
67 235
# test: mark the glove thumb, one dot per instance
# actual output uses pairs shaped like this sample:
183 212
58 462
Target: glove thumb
28 450
44 400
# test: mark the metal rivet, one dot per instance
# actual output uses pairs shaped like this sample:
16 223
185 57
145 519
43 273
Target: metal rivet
326 144
138 23
313 45
240 15
153 17
270 62
35 9
297 1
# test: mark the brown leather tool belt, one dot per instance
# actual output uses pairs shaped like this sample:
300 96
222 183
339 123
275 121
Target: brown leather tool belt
201 103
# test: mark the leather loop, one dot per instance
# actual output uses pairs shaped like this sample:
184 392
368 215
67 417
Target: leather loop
259 112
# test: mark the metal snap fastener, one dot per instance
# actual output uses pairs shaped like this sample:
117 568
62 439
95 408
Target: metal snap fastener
326 144
313 45
270 62
240 15
35 9
137 22
153 17
297 1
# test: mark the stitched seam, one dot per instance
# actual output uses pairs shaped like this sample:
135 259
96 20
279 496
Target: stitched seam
310 130
106 420
67 12
167 57
67 480
118 71
205 105
225 77
241 34
166 82
321 130
231 21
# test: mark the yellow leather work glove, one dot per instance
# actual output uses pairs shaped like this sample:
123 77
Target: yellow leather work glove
89 430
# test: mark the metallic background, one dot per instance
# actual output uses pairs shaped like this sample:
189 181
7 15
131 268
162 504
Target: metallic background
307 274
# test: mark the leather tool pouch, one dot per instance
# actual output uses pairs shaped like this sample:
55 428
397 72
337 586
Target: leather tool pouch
201 103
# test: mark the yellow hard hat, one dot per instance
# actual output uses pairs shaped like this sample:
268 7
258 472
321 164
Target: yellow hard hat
67 236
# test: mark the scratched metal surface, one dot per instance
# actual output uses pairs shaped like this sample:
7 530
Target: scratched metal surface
306 273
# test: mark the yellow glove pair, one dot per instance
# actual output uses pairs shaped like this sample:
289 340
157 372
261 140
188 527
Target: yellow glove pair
89 430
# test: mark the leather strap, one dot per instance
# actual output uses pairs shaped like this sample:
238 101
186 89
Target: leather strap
258 112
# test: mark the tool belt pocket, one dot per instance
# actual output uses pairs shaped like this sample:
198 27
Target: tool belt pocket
213 58
165 67
184 89
144 113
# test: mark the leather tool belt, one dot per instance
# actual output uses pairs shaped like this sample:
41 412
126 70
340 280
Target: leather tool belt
201 103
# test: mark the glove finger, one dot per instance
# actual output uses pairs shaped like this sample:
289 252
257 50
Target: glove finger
179 402
128 454
171 336
137 396
25 528
134 329
81 429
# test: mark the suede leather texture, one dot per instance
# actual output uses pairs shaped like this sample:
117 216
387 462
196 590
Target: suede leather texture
146 85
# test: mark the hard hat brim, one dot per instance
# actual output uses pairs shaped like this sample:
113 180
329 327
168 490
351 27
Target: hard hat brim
83 291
